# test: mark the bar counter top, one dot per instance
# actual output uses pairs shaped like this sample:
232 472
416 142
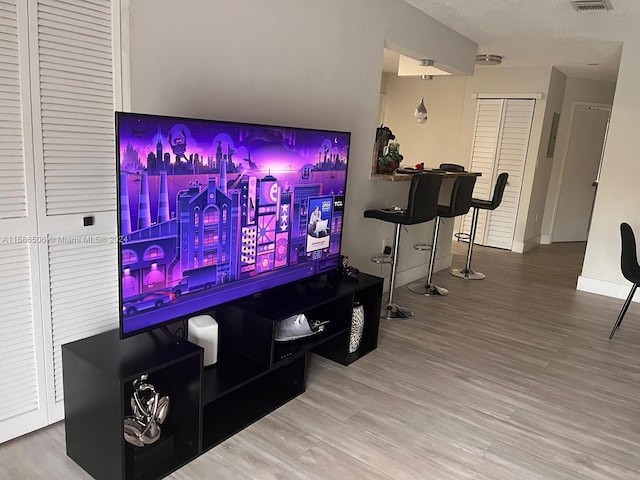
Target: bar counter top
403 177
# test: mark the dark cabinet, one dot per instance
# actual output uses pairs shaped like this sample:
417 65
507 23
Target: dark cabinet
254 375
99 372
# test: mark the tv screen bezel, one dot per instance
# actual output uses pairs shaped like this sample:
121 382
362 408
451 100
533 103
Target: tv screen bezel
182 318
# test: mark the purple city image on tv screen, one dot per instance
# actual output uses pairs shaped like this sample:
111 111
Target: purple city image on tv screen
212 211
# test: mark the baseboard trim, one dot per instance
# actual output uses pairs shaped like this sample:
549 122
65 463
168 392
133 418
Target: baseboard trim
601 287
522 247
545 239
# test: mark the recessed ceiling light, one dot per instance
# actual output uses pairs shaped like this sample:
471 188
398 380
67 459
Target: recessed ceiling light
488 59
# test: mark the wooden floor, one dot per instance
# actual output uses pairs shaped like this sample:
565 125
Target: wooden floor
511 377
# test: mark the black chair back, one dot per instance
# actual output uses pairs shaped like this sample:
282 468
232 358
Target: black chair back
451 167
461 194
422 204
628 255
498 190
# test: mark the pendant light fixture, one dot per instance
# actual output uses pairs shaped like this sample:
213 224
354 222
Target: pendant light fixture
421 111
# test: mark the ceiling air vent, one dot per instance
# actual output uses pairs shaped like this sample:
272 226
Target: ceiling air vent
591 5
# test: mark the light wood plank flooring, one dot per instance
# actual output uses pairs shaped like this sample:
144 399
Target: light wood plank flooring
511 377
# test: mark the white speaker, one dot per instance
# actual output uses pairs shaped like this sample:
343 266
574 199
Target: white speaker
203 331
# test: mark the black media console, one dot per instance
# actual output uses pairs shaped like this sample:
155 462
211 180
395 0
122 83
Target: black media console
254 376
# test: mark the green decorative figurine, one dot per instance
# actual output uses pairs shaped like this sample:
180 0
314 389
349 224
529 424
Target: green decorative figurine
390 160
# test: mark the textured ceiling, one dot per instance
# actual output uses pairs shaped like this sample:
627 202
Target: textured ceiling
542 32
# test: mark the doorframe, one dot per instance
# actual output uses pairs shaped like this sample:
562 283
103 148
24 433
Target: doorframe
563 159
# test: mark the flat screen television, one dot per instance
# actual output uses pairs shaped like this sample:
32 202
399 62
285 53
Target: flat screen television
212 211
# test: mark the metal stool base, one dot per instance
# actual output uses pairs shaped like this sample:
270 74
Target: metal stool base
428 289
467 274
393 311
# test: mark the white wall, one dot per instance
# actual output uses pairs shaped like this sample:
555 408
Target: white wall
544 165
618 194
289 62
576 90
438 140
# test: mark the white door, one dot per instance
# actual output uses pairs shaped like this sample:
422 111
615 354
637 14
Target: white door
57 174
500 144
23 398
577 190
72 56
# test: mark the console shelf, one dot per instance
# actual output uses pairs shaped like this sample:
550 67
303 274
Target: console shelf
229 374
254 375
227 416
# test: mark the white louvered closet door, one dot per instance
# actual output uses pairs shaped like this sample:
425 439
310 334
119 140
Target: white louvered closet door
57 173
23 404
500 144
72 58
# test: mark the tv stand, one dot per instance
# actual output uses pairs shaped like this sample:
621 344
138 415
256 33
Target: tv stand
254 375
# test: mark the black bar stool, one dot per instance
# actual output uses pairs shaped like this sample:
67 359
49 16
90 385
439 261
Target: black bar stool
478 205
422 206
459 204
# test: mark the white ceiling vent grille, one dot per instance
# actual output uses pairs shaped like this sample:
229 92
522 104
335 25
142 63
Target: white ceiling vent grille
591 5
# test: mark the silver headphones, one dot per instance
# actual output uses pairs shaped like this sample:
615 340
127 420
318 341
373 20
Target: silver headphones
149 412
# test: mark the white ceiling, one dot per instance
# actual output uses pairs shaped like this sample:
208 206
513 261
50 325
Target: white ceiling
541 32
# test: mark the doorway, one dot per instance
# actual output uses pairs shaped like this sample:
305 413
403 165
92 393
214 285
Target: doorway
587 137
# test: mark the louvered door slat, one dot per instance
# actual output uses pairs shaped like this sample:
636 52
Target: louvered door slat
98 8
57 43
13 358
8 91
68 290
74 100
15 405
6 20
55 92
92 326
20 319
76 70
65 12
11 113
63 120
13 198
75 21
83 290
54 88
74 37
57 46
18 385
57 59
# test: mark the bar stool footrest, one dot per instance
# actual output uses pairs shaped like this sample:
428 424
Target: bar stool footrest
428 289
467 274
393 311
462 236
423 247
